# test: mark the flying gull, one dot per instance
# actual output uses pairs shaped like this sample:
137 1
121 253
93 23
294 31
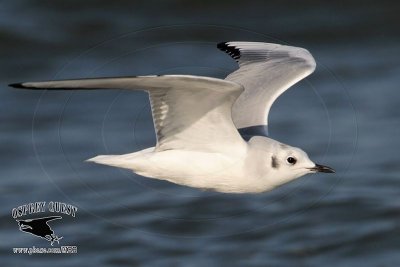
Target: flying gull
212 133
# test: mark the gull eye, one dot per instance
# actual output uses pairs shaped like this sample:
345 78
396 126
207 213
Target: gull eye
291 160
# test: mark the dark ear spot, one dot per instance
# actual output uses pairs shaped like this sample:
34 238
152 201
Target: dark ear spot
274 162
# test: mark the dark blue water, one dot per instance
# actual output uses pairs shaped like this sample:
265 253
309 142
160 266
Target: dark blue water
346 115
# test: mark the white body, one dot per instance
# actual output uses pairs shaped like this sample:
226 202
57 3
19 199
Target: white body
246 170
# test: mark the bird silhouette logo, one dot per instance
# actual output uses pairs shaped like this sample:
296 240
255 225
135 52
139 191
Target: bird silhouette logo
39 227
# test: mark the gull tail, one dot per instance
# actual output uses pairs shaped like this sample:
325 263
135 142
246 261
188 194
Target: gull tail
110 160
132 161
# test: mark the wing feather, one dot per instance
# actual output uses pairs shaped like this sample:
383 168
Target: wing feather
189 112
265 70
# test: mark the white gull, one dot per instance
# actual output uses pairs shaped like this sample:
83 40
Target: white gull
212 133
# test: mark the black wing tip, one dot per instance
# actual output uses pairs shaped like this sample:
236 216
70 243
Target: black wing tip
17 85
23 86
233 51
222 45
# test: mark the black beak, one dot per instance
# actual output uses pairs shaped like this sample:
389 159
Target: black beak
322 168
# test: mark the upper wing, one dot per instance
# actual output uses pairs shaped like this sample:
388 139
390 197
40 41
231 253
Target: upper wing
266 71
189 112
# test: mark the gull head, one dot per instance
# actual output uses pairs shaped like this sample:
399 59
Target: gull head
284 163
295 162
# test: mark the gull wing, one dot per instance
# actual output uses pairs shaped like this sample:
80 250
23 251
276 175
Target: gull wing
266 71
189 112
